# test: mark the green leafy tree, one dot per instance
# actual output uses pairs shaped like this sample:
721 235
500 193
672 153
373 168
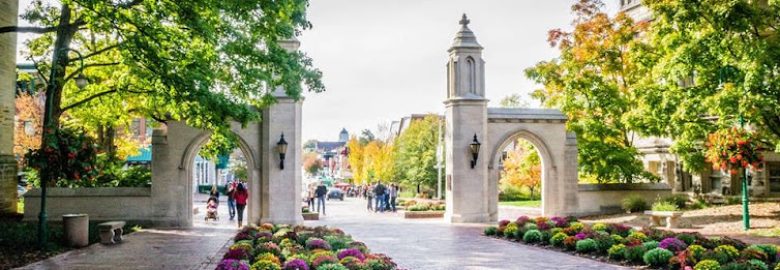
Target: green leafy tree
415 155
716 61
366 136
513 101
198 61
593 82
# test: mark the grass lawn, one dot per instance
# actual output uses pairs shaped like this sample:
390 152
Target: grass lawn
536 203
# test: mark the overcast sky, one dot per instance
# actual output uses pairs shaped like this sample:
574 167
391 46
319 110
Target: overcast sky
385 59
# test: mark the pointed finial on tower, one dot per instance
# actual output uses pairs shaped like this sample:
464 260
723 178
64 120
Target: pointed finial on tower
464 20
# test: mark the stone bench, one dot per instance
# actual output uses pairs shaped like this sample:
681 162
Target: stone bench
111 232
672 218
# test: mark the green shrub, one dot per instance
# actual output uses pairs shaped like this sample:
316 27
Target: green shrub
510 230
777 267
735 266
679 200
576 226
634 203
555 231
530 226
419 207
490 231
696 251
265 265
757 265
617 238
557 239
332 266
707 265
635 253
664 206
657 257
586 245
545 237
650 245
754 252
687 238
532 236
616 252
637 235
770 250
603 242
728 252
599 227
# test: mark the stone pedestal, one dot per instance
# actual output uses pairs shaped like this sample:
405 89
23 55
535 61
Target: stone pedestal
8 16
467 187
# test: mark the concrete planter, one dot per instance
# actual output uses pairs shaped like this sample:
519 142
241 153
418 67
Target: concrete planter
672 218
311 216
76 229
423 214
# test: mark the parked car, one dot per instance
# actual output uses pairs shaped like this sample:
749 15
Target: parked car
335 193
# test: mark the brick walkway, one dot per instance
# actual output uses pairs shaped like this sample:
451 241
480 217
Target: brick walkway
195 248
433 244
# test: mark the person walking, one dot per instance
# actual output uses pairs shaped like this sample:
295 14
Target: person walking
370 197
310 197
393 195
379 192
321 191
231 199
241 195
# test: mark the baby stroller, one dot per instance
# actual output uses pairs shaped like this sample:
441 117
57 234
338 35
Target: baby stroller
211 209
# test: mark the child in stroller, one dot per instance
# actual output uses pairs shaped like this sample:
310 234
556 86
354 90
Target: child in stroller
211 209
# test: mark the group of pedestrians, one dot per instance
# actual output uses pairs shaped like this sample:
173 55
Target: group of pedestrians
317 193
237 196
380 198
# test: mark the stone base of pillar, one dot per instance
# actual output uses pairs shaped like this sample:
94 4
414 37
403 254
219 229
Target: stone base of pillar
8 196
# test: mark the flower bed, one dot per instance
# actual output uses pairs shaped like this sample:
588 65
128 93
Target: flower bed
277 247
653 248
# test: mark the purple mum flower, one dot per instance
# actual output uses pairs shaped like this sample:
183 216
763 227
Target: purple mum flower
316 243
296 264
522 220
581 236
232 264
237 254
264 236
352 252
672 244
560 222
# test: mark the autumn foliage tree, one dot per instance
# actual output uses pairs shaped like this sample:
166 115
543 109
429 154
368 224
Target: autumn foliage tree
522 167
312 163
594 82
27 134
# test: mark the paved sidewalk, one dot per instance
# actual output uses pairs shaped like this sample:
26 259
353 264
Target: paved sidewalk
436 245
195 248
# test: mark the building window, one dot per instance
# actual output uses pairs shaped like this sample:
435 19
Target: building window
716 181
773 169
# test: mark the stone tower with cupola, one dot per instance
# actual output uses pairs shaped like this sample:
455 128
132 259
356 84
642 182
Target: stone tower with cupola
466 122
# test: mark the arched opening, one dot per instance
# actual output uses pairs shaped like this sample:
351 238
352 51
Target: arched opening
519 169
203 175
520 179
471 69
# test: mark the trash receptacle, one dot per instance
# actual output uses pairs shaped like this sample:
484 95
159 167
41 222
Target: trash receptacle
76 229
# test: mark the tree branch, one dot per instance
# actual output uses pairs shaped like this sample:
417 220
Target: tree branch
79 103
80 69
96 52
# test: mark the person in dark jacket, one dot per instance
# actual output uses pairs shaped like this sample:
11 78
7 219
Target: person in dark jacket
321 191
379 192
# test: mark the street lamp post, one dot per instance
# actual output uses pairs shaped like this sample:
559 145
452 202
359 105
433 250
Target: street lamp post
725 72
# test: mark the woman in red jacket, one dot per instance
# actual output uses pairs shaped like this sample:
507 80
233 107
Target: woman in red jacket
241 197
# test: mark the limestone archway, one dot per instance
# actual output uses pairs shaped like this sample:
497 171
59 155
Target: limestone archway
472 190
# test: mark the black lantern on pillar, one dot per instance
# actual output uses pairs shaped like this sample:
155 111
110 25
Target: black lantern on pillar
474 147
281 147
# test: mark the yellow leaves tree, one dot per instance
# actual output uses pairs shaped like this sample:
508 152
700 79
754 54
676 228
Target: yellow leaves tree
523 167
27 134
371 160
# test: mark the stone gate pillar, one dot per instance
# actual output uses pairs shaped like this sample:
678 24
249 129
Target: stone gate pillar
281 187
9 11
466 117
